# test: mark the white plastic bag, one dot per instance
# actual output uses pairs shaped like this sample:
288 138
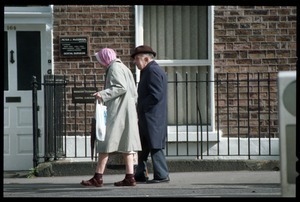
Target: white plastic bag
100 116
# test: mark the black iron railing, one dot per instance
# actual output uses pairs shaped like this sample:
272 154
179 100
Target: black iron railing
234 115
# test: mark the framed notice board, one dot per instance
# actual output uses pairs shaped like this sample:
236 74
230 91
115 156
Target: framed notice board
83 94
74 46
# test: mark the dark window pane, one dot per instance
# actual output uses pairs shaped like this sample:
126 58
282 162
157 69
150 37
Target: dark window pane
5 62
28 58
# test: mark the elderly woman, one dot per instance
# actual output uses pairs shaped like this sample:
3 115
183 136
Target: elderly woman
122 134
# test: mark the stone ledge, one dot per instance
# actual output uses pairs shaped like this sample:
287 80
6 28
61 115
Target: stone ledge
67 168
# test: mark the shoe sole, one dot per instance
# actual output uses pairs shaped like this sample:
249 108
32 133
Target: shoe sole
157 181
125 185
90 184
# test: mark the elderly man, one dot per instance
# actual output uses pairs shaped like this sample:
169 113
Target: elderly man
152 116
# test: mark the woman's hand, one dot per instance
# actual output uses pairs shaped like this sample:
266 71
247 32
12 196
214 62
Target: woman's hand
98 96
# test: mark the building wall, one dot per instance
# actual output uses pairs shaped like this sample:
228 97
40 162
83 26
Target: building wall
255 38
247 39
250 40
106 26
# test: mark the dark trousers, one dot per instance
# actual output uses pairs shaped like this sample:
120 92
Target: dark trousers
159 163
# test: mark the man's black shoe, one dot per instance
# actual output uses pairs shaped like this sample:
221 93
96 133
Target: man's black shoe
141 179
159 180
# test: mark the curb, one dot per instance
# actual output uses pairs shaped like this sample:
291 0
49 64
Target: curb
66 168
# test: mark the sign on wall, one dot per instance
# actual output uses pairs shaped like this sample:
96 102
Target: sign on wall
83 94
73 46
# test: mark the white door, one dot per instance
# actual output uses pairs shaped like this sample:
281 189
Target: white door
23 58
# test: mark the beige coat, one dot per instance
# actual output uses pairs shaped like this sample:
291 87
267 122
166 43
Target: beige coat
120 96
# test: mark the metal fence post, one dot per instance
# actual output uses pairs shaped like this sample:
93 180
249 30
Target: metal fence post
35 121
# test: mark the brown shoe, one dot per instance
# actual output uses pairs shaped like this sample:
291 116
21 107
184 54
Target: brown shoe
126 182
93 182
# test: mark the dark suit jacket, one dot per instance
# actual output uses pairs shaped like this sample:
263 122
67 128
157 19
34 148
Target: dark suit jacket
152 106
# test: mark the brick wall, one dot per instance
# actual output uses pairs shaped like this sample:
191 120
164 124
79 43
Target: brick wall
247 39
252 39
106 26
255 38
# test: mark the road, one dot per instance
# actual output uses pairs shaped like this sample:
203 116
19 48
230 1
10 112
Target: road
182 185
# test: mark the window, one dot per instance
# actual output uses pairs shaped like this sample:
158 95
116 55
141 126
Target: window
182 38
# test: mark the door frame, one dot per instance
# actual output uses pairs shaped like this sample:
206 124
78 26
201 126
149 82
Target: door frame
39 18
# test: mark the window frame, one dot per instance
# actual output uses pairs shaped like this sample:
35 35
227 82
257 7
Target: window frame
139 40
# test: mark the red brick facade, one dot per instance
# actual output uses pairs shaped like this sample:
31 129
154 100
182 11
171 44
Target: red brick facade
246 39
252 39
255 38
106 26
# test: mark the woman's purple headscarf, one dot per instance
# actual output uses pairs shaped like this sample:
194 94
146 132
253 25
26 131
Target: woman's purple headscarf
105 56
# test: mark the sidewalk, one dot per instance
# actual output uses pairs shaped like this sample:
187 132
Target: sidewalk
182 185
